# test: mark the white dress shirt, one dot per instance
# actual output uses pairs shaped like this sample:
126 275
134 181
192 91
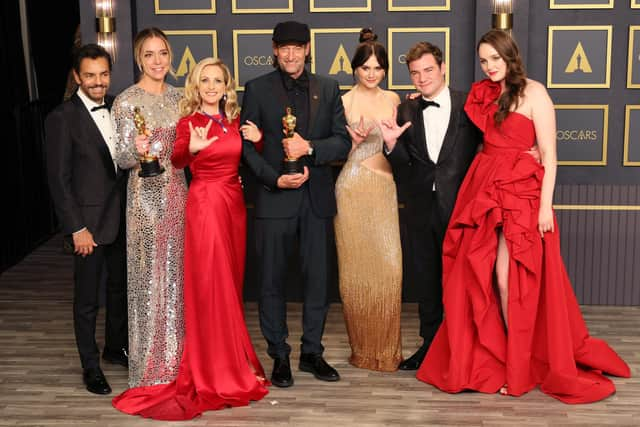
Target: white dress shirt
436 122
102 119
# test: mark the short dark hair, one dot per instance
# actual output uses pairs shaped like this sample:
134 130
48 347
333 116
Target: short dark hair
92 51
423 48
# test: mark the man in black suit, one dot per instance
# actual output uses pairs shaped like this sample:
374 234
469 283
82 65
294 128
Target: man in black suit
297 210
88 190
430 146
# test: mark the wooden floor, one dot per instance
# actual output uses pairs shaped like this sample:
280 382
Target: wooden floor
40 377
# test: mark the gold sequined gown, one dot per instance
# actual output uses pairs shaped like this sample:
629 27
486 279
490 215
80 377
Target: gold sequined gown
155 236
369 259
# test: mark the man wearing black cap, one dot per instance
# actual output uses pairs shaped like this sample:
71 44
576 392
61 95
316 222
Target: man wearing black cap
295 211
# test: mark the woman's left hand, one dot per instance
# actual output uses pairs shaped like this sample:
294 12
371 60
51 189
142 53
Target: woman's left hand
545 221
250 131
360 133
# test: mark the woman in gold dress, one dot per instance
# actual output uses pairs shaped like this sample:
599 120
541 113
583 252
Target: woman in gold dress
366 226
155 215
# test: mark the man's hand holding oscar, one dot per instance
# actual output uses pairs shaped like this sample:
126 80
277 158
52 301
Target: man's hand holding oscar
295 146
288 181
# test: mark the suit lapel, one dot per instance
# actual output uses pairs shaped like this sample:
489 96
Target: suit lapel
314 101
93 133
450 136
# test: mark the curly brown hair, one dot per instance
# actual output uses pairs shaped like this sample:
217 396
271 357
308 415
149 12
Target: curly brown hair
516 77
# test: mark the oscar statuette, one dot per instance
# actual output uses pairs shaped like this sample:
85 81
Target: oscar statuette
290 166
149 163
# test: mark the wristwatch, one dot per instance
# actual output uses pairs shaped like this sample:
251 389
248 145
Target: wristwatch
310 151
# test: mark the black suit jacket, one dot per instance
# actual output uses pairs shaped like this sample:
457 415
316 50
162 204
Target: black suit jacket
264 103
415 172
85 187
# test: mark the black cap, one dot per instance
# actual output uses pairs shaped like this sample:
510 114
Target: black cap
291 32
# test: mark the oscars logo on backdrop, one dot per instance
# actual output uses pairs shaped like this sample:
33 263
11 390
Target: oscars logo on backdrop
341 62
578 61
187 62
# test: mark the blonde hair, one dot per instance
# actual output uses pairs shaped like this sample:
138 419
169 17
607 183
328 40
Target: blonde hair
191 101
142 37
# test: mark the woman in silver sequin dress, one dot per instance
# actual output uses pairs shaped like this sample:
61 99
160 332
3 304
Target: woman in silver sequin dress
155 216
366 226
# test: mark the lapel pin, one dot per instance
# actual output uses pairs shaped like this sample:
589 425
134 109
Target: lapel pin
315 96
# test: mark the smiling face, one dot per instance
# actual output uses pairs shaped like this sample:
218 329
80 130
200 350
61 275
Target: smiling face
291 58
155 59
211 88
492 64
93 78
370 74
427 76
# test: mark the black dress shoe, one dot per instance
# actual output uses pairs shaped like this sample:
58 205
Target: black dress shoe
281 375
118 357
319 367
414 362
95 381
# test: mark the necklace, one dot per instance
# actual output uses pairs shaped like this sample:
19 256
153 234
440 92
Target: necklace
215 119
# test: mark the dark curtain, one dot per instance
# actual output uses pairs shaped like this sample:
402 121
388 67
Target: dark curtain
28 215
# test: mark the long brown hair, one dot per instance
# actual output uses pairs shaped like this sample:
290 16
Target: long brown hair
516 77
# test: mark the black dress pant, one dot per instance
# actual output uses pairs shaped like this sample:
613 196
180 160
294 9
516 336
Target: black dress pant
426 239
277 241
88 273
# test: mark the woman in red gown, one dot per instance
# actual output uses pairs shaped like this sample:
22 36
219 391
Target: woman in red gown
530 332
219 367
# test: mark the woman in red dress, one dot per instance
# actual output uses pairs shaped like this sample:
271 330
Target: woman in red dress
531 332
219 367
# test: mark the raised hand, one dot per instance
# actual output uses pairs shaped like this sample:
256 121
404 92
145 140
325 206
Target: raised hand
360 133
198 139
391 131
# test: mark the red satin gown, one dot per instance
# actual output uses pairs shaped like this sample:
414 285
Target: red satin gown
219 367
547 342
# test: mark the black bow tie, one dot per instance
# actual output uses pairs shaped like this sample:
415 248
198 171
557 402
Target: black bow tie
425 103
301 83
98 107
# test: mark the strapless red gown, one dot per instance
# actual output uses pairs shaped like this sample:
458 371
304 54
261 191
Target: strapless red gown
219 367
547 343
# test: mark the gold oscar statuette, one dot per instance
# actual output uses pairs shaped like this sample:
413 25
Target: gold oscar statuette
290 165
149 163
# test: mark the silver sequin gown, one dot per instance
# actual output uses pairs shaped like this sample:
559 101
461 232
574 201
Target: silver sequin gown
155 236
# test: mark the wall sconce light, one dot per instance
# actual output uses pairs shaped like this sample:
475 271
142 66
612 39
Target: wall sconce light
502 17
106 26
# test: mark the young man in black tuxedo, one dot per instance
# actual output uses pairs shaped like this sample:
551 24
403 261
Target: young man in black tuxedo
88 192
295 210
430 146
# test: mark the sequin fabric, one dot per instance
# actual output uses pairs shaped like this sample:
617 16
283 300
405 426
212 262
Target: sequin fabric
155 236
369 259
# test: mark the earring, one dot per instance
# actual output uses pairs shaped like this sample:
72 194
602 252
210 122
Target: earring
224 98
